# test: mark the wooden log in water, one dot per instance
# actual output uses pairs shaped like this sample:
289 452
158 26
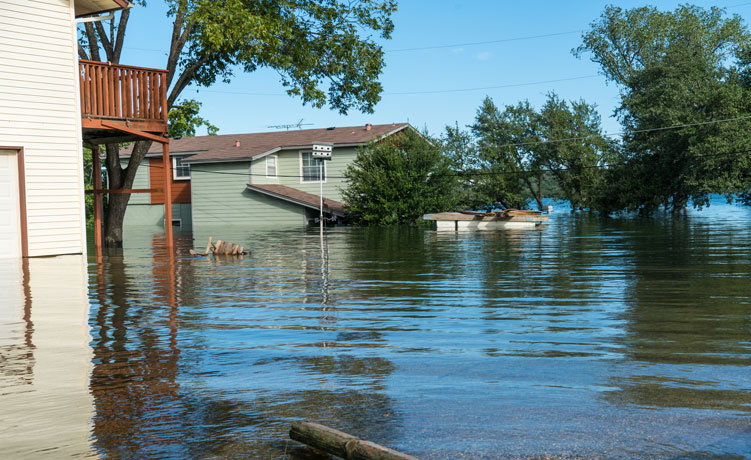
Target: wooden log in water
342 444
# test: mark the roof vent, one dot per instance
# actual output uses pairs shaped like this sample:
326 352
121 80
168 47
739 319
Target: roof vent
331 128
237 143
368 126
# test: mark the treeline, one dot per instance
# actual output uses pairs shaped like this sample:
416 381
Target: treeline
684 81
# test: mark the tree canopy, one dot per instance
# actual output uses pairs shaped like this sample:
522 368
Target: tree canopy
399 179
513 155
183 120
683 104
325 51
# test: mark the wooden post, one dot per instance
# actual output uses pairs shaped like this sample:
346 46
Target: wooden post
167 192
97 172
340 444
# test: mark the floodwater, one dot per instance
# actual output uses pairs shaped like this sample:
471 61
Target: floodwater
586 338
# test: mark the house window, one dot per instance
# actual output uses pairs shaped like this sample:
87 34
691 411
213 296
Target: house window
180 170
311 168
271 166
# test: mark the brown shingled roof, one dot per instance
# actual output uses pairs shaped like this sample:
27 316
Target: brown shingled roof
298 196
223 147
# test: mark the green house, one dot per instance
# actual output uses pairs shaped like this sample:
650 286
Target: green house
256 179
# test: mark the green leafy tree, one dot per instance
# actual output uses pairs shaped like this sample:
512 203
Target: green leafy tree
574 164
472 183
398 179
516 153
673 69
183 120
325 52
504 139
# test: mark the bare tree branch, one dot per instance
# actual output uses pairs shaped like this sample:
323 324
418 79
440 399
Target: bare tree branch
179 38
184 80
82 52
106 44
93 42
120 40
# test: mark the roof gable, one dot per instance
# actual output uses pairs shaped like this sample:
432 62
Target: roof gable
240 147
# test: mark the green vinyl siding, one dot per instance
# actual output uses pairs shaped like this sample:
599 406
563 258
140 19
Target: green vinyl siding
220 197
152 215
140 181
289 171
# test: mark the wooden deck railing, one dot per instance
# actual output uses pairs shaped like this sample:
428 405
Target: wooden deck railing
118 92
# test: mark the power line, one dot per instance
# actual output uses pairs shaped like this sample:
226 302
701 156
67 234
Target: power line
467 174
663 128
487 42
450 45
547 141
515 85
456 90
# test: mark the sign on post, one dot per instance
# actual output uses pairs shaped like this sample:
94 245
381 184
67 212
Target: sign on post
322 151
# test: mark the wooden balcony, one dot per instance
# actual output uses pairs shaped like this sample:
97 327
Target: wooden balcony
118 102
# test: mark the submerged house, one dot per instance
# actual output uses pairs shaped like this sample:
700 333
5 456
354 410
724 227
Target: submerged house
251 179
51 105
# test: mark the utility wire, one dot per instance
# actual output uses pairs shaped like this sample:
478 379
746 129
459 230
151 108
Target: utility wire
487 42
454 45
548 141
621 133
437 91
604 166
515 85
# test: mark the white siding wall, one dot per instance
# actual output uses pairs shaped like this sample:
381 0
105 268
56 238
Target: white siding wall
39 110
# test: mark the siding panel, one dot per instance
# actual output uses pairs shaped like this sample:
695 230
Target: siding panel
39 111
289 165
180 188
221 197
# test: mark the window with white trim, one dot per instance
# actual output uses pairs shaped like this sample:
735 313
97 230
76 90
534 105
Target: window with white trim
271 167
180 170
311 168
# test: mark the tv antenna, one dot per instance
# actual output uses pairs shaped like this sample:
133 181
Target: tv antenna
297 125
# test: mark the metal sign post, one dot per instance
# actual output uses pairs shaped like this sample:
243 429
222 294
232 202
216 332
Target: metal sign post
322 152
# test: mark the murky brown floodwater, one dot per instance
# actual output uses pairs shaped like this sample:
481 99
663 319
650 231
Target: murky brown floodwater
590 338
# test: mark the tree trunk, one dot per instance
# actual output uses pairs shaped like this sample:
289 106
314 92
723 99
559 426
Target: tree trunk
120 178
680 201
113 230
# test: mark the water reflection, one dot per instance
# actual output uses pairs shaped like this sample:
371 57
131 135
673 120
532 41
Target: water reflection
687 322
589 338
203 356
45 408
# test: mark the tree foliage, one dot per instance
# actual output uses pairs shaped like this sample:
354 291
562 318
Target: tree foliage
513 155
512 170
399 179
574 163
325 52
675 68
183 120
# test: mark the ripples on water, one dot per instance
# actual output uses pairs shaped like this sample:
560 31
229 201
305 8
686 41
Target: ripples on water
625 338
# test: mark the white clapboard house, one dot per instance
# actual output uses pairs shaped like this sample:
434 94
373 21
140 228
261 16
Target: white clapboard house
50 105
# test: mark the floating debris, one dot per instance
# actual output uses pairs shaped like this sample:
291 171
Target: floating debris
221 248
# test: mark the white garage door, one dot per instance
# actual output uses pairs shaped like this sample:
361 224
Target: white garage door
10 230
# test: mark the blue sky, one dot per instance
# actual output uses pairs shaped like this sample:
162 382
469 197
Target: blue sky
430 88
